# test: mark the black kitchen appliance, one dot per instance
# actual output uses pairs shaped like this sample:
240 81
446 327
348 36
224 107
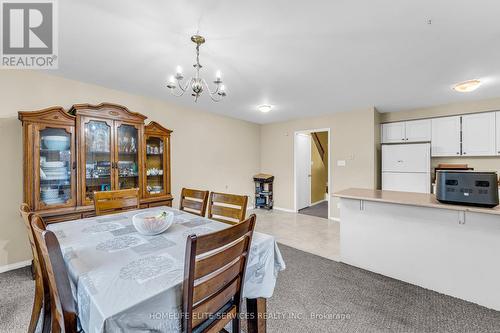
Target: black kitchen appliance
467 188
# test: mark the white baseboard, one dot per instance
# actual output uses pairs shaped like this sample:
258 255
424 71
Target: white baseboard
336 219
16 265
285 209
318 202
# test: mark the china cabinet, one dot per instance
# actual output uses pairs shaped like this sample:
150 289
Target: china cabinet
157 158
70 155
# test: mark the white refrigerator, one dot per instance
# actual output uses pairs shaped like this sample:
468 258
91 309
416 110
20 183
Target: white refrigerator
406 167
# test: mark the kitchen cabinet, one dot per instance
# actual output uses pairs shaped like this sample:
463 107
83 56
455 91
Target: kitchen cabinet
393 132
478 134
418 130
407 131
498 132
445 136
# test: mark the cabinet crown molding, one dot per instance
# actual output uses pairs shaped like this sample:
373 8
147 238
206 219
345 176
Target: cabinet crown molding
53 115
107 110
153 126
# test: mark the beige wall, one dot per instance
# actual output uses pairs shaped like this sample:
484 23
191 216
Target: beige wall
478 163
352 138
198 158
319 168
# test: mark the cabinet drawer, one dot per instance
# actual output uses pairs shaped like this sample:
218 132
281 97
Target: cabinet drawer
62 218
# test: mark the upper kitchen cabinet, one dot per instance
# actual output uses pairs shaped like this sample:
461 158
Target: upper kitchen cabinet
446 136
406 131
418 130
393 132
498 132
478 134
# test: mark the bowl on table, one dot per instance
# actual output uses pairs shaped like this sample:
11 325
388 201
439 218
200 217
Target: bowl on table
54 142
153 222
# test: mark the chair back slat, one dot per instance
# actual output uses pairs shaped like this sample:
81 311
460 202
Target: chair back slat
211 263
214 274
194 201
227 208
218 281
215 302
109 202
214 240
63 307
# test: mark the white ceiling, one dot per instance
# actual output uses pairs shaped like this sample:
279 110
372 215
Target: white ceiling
304 57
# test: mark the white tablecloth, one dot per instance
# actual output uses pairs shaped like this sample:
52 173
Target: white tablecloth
126 282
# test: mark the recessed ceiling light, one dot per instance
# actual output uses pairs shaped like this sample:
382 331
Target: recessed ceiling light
264 108
467 86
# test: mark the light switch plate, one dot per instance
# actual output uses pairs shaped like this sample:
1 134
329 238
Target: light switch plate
341 163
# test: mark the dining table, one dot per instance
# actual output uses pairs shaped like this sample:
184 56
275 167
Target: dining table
123 281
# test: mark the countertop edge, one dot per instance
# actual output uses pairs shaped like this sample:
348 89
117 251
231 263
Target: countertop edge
363 194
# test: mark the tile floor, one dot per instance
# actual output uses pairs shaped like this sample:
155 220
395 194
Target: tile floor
307 233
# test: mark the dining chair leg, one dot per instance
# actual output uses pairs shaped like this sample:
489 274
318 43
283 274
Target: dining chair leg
37 305
235 326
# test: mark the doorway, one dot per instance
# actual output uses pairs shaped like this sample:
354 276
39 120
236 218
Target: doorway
312 172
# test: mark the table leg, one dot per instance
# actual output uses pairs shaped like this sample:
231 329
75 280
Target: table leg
256 309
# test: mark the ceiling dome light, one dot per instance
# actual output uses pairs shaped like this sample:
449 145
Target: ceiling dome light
467 86
264 108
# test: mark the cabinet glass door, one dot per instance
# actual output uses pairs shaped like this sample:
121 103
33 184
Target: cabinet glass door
98 153
155 182
55 172
127 156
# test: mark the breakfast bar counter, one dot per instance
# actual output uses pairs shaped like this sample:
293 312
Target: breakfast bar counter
409 198
452 249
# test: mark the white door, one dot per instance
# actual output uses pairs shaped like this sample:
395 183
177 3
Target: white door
418 130
393 132
303 170
406 182
446 136
413 157
498 132
478 134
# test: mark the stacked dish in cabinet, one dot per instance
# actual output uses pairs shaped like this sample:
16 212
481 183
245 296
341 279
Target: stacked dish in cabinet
56 180
55 177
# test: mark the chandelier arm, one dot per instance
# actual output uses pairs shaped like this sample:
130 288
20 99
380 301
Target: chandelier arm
210 92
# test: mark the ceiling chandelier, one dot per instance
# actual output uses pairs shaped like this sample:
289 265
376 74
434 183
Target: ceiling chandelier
196 84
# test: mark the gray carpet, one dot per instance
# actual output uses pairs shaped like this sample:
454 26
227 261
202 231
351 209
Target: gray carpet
16 299
317 295
319 210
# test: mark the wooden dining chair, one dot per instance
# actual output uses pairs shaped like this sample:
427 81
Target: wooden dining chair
213 282
62 305
194 201
41 300
227 208
110 202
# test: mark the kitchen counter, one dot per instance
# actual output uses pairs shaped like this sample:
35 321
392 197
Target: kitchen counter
409 198
451 249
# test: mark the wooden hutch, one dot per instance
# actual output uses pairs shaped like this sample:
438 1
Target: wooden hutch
70 155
